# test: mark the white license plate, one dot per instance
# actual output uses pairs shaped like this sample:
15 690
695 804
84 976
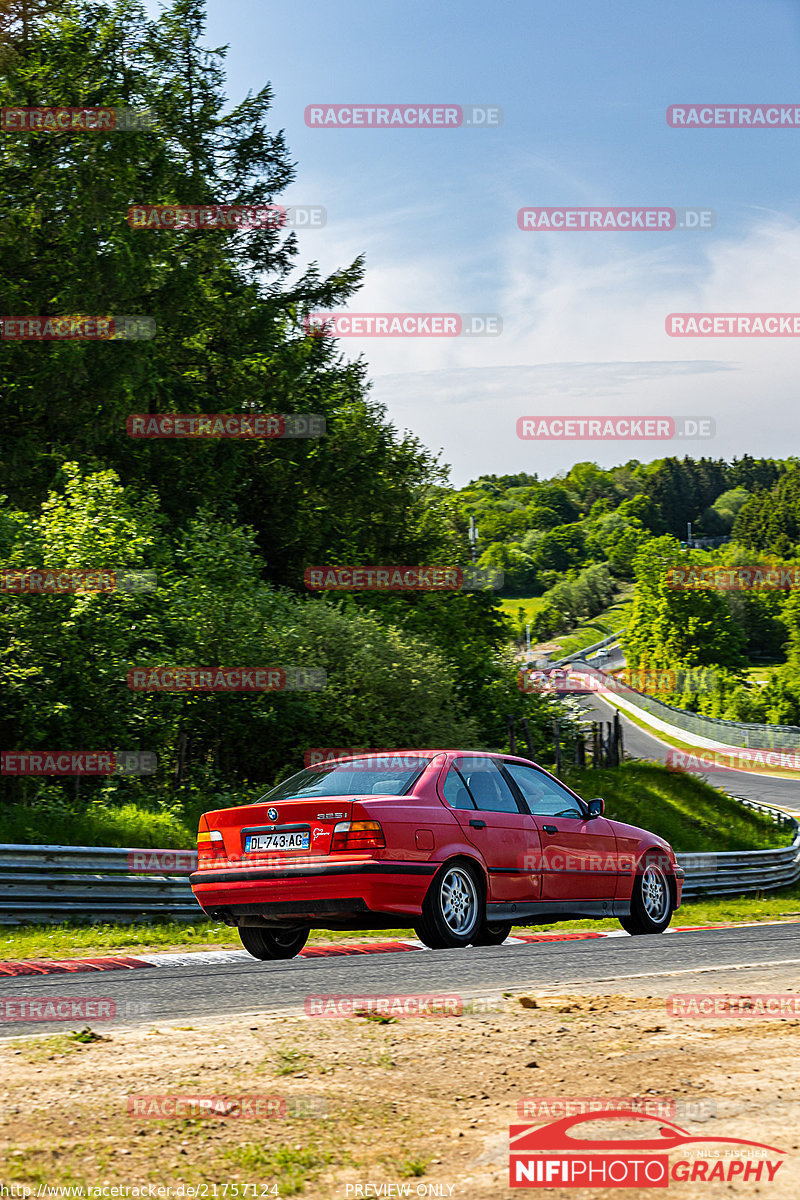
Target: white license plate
295 839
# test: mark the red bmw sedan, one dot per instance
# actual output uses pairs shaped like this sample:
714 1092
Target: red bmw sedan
460 844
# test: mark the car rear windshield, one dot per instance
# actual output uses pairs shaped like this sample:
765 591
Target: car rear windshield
361 777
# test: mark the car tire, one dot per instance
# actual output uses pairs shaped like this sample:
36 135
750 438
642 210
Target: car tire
273 943
452 910
651 902
492 933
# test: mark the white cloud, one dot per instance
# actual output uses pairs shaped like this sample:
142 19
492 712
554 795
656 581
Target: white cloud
584 333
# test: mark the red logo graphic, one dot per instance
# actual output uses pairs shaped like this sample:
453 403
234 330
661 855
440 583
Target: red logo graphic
552 1155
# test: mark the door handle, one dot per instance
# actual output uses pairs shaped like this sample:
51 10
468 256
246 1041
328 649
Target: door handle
550 828
478 824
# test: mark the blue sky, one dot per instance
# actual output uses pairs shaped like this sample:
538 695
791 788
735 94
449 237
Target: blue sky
584 85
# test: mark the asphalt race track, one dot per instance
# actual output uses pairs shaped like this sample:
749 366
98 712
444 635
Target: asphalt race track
753 958
638 744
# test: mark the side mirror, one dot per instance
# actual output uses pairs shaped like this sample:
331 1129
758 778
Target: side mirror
597 807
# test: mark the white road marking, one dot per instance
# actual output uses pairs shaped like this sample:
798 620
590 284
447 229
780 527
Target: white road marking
773 962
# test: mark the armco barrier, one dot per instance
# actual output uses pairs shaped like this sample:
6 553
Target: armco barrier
731 872
741 734
614 637
46 884
94 883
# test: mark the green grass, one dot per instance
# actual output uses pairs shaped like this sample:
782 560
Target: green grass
530 605
32 941
100 825
414 1167
688 812
762 672
70 939
611 620
74 940
290 1167
289 1062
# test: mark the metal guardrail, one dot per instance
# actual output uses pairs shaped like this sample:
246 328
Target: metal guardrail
730 873
558 662
49 884
725 873
94 883
741 734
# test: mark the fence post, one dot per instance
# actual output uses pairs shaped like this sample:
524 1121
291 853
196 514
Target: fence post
556 736
528 741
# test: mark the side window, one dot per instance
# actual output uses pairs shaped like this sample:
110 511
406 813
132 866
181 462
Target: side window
455 792
487 786
543 796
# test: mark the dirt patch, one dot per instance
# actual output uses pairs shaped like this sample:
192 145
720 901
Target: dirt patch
417 1103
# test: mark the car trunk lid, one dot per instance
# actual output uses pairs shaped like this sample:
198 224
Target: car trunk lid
292 828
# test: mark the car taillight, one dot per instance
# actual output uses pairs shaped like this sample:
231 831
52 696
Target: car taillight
209 846
357 835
